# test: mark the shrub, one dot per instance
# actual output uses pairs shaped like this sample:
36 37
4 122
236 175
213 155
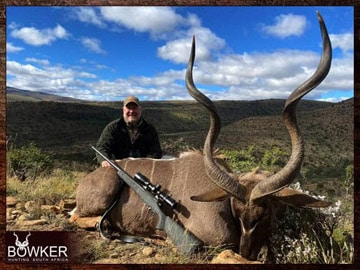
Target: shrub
242 160
273 158
348 181
311 236
28 162
252 157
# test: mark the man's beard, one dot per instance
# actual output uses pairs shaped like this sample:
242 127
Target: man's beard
132 121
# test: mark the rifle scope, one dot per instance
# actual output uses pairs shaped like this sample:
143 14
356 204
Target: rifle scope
155 190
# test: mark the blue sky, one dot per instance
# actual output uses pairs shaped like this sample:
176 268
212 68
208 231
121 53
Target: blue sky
242 53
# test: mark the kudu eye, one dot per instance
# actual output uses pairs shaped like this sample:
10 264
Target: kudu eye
263 215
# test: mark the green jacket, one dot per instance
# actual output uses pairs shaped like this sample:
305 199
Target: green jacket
115 142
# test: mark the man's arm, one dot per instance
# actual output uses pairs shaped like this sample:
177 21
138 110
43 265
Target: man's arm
105 143
155 148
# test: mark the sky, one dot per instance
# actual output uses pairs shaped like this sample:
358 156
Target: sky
242 53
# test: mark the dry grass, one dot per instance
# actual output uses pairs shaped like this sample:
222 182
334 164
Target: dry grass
48 190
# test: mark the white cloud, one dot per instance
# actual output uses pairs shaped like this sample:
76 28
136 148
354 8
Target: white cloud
42 62
159 22
286 25
143 19
12 25
341 75
238 76
178 50
10 48
343 41
92 44
52 79
251 76
160 80
89 15
333 99
244 76
15 69
37 37
248 68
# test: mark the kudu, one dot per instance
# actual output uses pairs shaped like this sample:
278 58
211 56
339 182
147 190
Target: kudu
218 206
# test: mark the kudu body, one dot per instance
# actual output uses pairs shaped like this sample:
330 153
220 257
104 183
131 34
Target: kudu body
219 207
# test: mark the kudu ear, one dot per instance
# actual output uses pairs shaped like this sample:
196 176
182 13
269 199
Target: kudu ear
299 199
215 195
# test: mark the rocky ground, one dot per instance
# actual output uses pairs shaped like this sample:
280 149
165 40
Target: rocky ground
39 216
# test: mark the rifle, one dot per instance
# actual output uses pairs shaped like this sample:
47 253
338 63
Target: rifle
186 242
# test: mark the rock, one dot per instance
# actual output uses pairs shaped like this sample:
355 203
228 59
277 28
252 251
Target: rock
26 223
113 255
84 222
16 212
21 218
11 201
29 205
230 257
9 215
67 204
160 258
148 251
20 206
51 208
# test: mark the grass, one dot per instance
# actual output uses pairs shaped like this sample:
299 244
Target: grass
49 189
116 252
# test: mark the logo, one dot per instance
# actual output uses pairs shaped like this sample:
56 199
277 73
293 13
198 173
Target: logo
21 245
35 248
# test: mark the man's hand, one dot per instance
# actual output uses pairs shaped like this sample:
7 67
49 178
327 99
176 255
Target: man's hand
105 164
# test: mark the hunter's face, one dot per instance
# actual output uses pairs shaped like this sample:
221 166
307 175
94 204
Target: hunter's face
132 113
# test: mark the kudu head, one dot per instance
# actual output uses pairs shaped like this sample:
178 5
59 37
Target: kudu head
255 196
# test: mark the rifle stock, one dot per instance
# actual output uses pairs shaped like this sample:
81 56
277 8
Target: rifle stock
184 240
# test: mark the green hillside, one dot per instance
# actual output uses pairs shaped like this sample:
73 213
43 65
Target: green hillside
68 129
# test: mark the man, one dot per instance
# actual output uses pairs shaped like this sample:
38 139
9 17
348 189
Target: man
129 136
